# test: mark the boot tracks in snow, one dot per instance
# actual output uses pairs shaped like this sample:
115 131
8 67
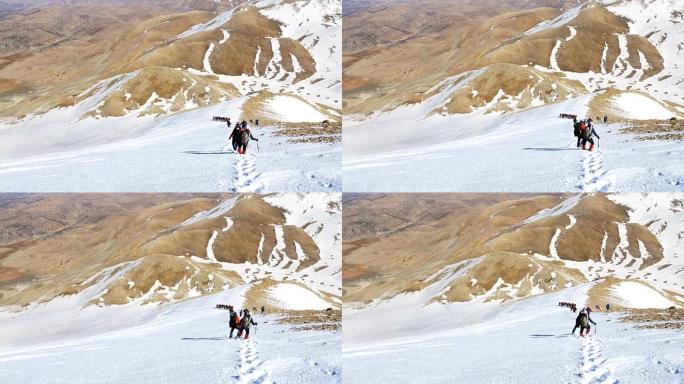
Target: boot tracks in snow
593 368
245 179
593 175
251 369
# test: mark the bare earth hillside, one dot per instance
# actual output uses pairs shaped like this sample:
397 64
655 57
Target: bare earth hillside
465 247
120 249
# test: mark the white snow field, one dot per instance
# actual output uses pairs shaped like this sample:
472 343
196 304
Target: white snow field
293 296
291 109
525 341
527 151
635 295
62 150
413 149
177 343
181 152
639 107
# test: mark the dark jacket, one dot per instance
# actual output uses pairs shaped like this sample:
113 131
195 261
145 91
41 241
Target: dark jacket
235 135
585 318
231 319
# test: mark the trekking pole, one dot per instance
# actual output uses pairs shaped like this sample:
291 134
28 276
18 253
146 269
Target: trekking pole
258 149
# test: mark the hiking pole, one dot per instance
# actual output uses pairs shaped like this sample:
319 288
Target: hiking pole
258 149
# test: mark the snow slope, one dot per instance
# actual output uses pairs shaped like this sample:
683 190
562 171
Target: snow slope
178 343
633 105
291 109
635 295
63 150
292 296
518 342
528 151
181 152
419 147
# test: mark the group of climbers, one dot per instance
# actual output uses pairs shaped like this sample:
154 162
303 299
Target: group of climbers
240 137
585 131
583 320
240 321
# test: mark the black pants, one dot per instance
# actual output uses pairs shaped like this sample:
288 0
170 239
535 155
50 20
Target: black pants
246 332
590 140
579 141
231 331
235 145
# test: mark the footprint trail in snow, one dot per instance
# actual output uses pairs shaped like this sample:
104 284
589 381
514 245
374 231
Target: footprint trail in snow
593 174
593 368
246 175
251 370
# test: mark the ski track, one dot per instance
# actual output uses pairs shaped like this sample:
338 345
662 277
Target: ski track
593 368
593 174
251 370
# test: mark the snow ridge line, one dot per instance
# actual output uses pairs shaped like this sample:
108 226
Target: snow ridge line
593 368
251 370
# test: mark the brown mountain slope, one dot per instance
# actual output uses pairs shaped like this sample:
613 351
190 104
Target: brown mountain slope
491 246
156 248
53 55
506 41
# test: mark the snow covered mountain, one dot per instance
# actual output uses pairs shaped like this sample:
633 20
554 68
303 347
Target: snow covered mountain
155 75
501 248
538 56
120 288
116 250
472 283
181 61
519 68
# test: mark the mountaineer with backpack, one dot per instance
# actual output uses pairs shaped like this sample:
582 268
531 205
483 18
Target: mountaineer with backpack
233 321
245 323
234 136
587 134
577 125
582 322
245 136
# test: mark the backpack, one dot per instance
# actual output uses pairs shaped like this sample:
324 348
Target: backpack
236 319
584 320
245 321
577 129
582 126
245 137
588 131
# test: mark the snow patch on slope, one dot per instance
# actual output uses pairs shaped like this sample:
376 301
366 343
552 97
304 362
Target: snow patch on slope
295 297
636 295
293 110
636 106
